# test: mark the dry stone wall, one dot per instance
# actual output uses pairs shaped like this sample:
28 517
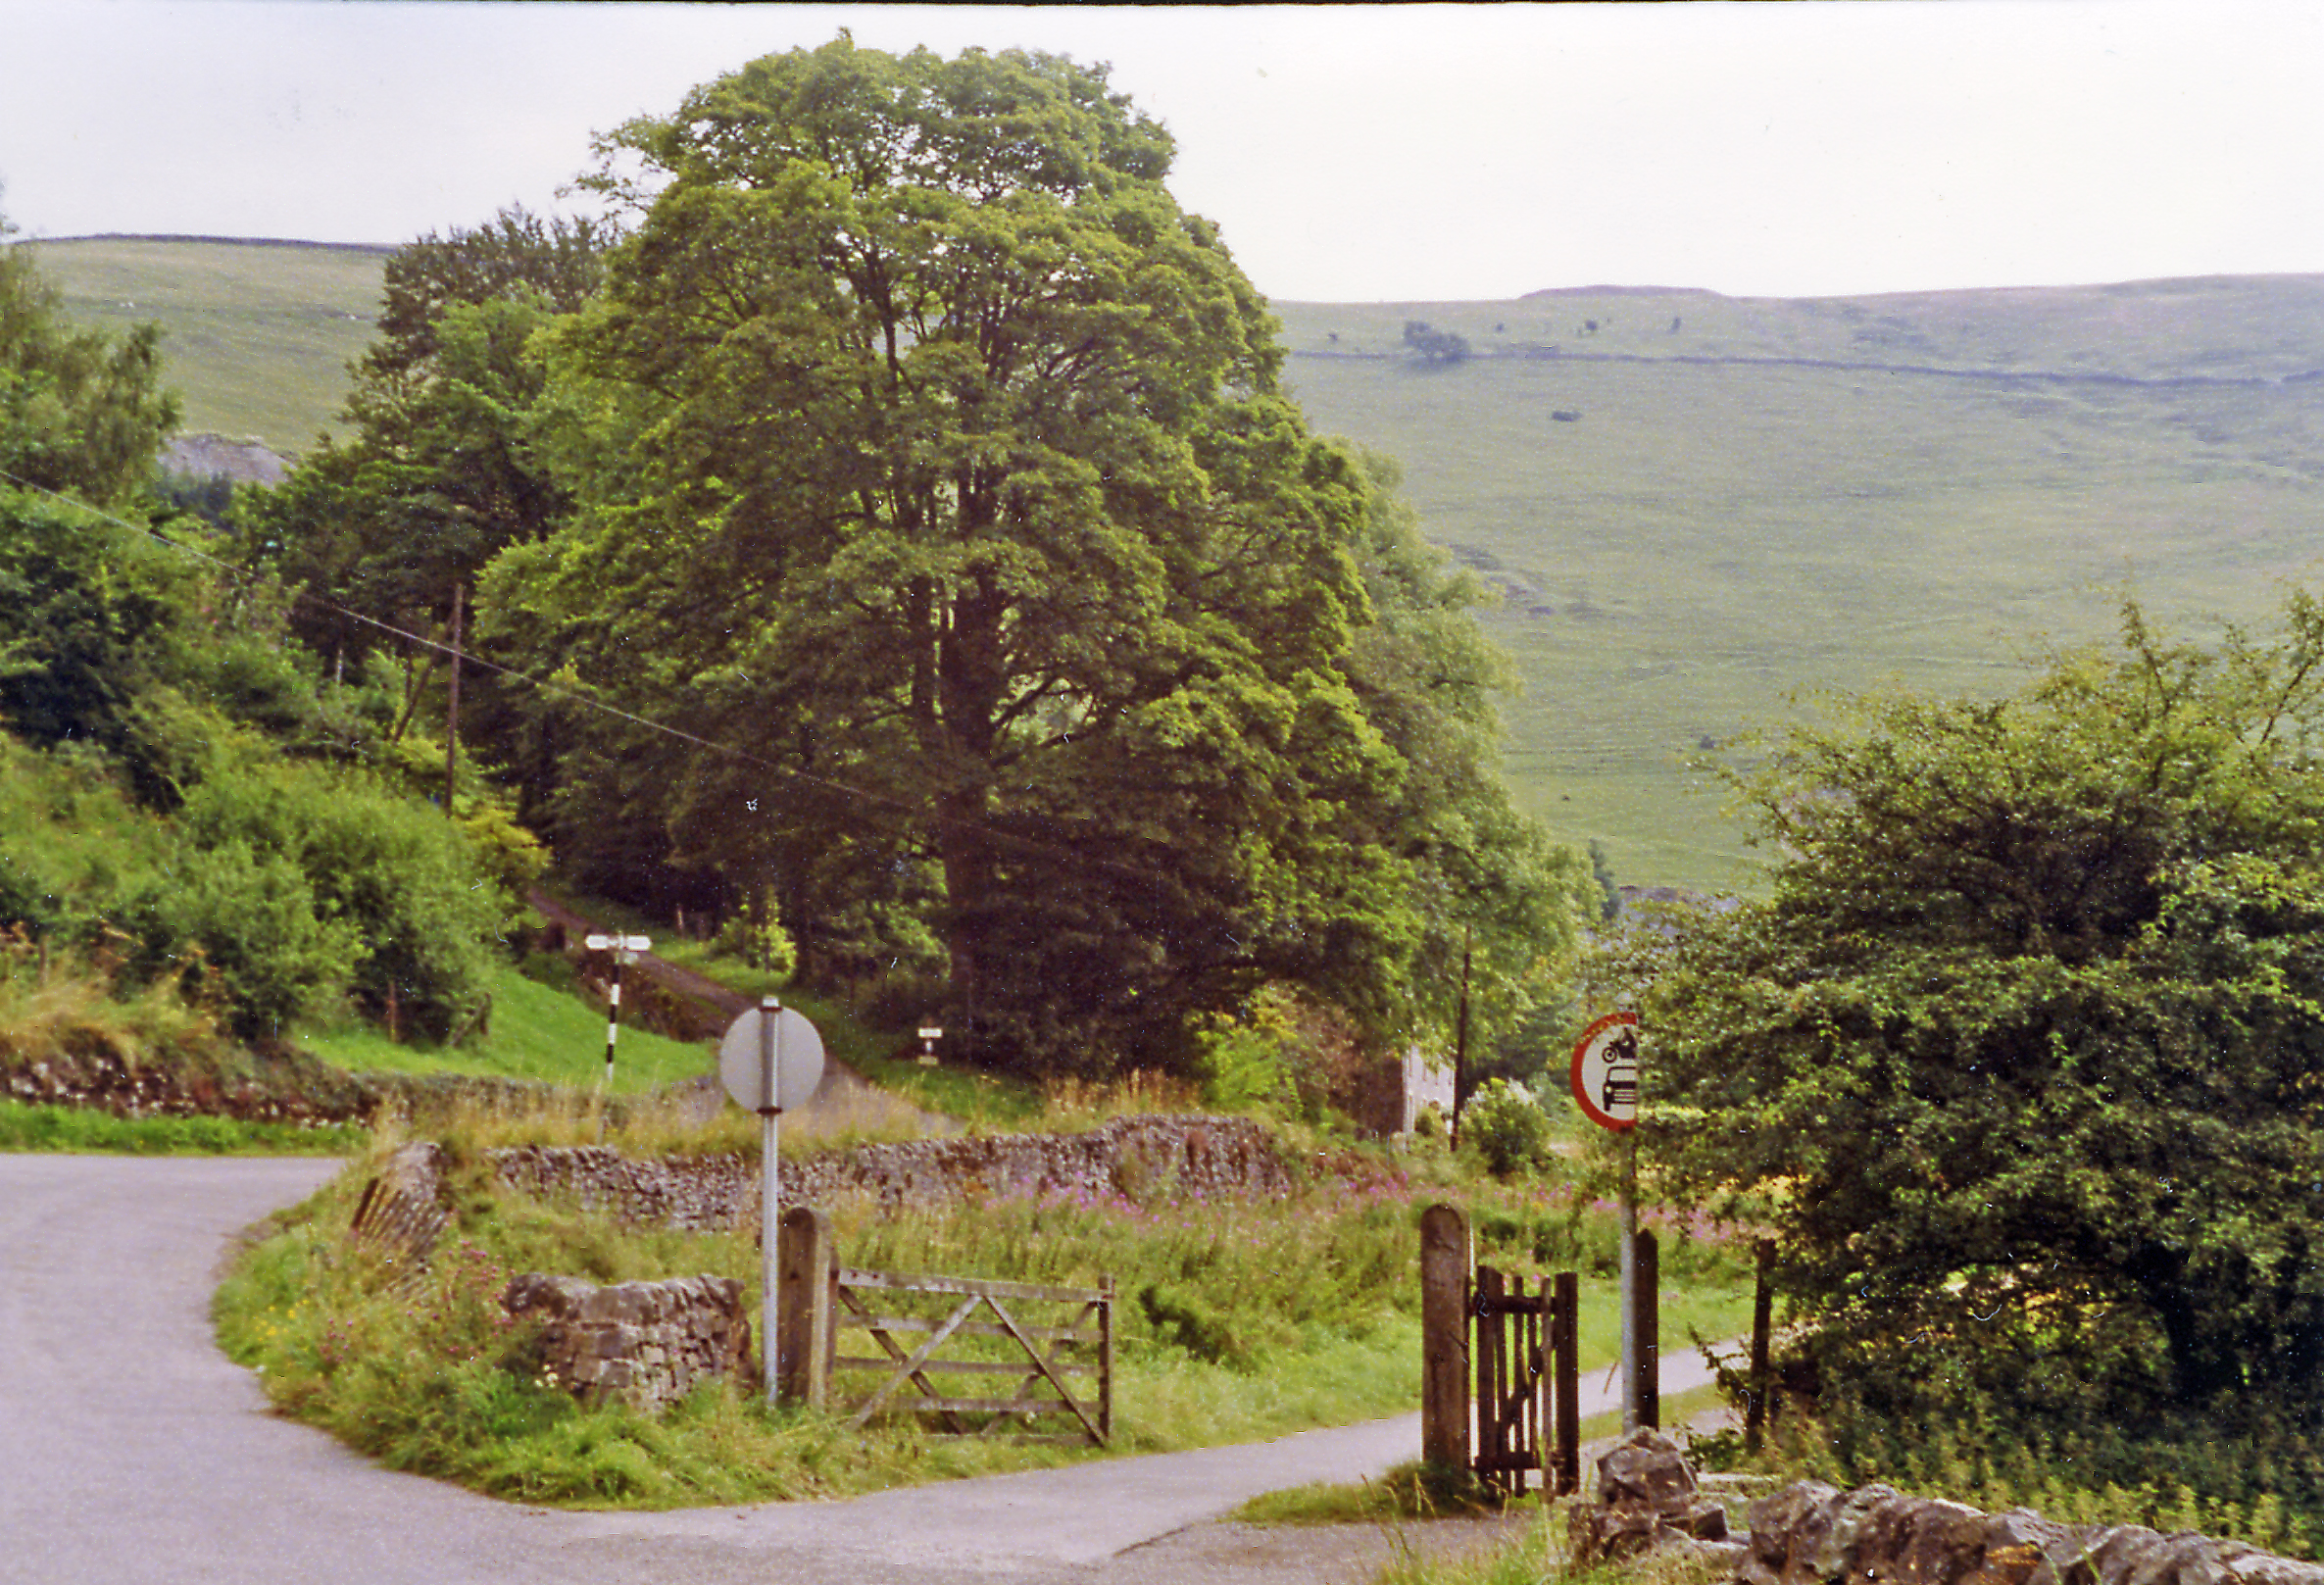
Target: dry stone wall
1144 1159
646 1343
1814 1534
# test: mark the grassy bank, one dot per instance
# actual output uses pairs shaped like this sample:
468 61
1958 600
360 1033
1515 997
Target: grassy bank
539 1032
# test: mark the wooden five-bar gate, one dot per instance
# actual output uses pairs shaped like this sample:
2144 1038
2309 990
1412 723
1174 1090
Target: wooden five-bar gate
930 1328
1509 1355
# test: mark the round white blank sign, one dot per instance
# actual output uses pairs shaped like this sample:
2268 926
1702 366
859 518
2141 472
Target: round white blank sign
798 1057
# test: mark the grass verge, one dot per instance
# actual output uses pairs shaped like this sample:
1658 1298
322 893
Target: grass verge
32 1127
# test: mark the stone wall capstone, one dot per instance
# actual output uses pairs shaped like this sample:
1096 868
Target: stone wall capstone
1144 1159
646 1343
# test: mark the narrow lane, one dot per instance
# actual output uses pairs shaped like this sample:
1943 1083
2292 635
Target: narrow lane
134 1452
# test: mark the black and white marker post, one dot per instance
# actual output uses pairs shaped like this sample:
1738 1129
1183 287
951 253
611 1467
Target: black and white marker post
624 949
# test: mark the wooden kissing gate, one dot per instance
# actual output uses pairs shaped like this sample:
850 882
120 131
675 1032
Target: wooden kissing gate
1038 1364
1510 1353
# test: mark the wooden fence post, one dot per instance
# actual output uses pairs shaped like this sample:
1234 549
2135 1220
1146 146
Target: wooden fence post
1762 1307
803 1333
1649 1332
1106 1362
1444 1324
1564 1342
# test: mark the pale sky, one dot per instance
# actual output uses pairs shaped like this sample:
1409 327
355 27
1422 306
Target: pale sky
1375 152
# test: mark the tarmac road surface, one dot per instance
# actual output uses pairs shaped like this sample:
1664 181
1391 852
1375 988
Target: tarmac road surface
132 1450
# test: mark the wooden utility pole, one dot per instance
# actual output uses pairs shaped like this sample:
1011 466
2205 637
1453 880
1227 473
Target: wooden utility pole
452 717
1461 1047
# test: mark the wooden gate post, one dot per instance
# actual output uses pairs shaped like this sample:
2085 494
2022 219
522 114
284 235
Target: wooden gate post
1444 1346
1564 1345
803 1333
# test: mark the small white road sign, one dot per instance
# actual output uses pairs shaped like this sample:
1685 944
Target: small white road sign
797 1059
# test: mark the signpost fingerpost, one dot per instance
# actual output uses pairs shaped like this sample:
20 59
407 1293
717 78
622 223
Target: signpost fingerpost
625 949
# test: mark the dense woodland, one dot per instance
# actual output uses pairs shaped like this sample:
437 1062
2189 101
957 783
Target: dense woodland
887 539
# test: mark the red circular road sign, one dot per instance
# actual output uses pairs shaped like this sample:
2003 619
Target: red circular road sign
1606 1071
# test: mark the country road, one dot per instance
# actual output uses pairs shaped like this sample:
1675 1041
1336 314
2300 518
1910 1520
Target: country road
134 1452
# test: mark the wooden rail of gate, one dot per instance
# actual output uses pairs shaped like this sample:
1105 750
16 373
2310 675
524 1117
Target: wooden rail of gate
821 1300
1040 1367
1523 1352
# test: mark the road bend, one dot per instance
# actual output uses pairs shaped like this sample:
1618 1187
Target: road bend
132 1450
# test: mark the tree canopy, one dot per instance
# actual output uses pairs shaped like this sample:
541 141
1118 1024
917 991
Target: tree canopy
79 411
2023 1052
933 464
440 476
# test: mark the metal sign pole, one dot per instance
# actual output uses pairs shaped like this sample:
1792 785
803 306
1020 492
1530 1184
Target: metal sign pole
769 1188
1632 1346
768 1054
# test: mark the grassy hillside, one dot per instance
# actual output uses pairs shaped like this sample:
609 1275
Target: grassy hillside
1745 497
1748 498
258 335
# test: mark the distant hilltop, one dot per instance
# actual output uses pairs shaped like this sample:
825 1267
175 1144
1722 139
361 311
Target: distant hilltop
219 242
1620 291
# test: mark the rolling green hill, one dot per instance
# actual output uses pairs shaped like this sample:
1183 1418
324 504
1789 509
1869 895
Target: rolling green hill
259 334
1748 498
1691 506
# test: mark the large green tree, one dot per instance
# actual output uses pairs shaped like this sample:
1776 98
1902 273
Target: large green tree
935 464
439 475
81 412
2023 1050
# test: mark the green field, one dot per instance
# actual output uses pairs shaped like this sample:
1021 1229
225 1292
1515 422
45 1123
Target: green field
258 337
1703 538
1748 497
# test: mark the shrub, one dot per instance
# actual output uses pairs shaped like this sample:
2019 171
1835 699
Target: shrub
755 934
1507 1126
317 880
243 926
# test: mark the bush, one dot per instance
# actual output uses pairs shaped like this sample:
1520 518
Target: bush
242 925
1507 1126
755 934
312 882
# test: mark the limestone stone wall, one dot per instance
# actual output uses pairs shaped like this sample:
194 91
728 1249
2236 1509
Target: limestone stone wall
1814 1534
647 1343
1145 1158
1809 1533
